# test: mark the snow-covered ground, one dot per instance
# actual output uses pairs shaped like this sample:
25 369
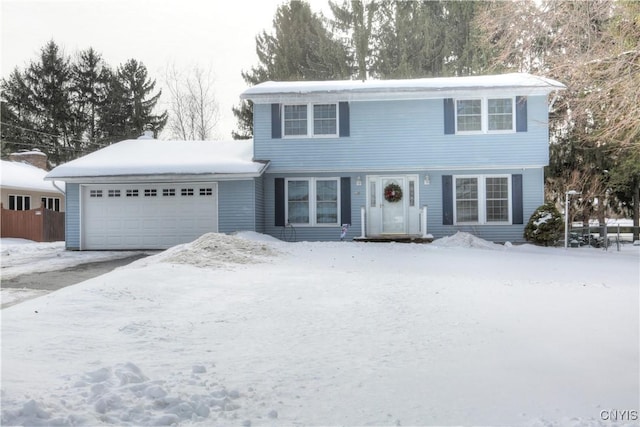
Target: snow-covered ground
249 331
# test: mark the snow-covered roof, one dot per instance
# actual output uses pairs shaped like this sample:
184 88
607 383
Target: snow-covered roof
153 158
439 87
26 177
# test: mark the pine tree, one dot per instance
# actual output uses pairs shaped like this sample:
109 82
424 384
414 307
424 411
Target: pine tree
299 48
49 106
130 103
89 93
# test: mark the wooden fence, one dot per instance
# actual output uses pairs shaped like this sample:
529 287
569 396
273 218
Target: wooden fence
40 225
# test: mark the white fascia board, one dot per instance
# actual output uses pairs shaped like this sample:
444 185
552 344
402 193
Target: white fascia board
283 97
148 179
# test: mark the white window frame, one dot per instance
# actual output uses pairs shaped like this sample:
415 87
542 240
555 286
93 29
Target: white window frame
484 115
24 197
311 121
311 181
482 200
49 203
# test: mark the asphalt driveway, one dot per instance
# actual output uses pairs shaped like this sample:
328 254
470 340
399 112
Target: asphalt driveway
53 280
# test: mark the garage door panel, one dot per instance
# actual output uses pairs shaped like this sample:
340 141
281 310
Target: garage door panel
158 217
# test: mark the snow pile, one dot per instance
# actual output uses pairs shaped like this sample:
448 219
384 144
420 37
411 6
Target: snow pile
466 240
123 395
216 250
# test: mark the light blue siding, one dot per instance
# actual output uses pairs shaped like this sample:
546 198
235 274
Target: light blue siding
533 196
303 233
72 216
236 206
403 135
259 204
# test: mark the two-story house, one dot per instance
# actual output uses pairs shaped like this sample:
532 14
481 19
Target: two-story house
391 158
403 157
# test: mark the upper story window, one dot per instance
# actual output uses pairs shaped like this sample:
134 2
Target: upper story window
322 121
485 115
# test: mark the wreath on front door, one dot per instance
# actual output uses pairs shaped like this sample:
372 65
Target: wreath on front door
392 193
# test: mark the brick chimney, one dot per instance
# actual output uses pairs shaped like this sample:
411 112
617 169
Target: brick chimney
34 157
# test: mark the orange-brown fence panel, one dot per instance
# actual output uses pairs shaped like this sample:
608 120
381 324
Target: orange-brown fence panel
40 225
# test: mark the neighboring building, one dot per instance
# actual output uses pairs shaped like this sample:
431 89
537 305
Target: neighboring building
23 187
32 208
392 158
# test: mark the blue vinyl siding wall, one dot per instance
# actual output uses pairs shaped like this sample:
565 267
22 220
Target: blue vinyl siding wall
533 197
72 216
236 206
314 233
394 135
259 204
429 195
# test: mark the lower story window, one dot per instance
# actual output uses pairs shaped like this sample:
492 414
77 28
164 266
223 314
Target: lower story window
482 199
312 201
19 202
51 203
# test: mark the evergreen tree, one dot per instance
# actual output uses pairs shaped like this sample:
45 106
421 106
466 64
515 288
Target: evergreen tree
89 93
299 48
130 103
356 19
49 104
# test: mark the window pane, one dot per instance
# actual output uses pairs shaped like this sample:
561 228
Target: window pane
469 115
295 119
298 201
324 119
27 203
372 191
466 199
327 202
497 199
12 203
500 114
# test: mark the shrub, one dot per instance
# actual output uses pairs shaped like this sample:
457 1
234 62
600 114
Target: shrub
545 227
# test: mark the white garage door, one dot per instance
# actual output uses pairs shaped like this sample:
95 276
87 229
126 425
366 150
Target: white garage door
154 216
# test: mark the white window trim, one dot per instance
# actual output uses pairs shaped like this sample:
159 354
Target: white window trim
482 200
310 121
312 201
53 202
484 115
15 202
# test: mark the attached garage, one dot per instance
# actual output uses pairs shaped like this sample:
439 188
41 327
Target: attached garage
153 216
149 194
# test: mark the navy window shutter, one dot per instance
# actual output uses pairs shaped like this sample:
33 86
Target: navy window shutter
447 200
449 117
343 108
521 113
276 122
516 199
345 200
279 202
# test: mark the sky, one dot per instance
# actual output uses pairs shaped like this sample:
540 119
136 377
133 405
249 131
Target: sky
215 34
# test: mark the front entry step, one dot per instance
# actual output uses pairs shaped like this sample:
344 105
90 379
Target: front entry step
397 239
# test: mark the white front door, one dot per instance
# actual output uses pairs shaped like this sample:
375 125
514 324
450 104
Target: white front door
391 212
393 201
